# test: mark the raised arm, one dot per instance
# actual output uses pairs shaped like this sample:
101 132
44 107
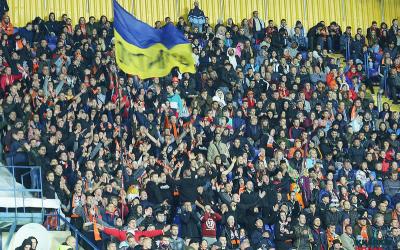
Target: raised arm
154 140
226 172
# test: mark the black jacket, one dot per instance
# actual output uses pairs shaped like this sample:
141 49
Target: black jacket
153 193
190 225
49 190
3 7
332 218
232 237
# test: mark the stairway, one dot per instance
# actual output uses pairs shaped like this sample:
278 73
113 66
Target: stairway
393 107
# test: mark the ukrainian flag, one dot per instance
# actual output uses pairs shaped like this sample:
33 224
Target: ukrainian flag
147 52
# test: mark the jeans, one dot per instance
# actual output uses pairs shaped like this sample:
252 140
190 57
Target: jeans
321 42
329 42
10 160
210 240
35 178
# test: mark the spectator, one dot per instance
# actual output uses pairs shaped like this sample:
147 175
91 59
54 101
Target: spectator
121 235
319 235
303 234
231 234
196 17
394 85
34 242
392 185
6 26
209 225
257 26
218 148
70 243
26 245
190 221
347 238
281 140
176 242
283 231
48 186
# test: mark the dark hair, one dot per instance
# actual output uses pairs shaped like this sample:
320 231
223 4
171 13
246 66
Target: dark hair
26 242
33 237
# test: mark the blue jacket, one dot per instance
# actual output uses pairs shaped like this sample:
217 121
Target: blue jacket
369 186
28 35
320 239
176 98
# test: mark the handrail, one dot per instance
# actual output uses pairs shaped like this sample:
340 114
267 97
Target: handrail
31 167
23 192
34 190
77 233
379 100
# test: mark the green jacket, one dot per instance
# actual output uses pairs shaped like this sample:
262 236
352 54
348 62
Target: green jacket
348 242
302 240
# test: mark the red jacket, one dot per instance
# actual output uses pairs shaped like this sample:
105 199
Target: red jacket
123 210
208 224
121 234
8 80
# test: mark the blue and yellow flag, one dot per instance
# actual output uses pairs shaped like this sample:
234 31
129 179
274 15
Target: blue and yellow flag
147 52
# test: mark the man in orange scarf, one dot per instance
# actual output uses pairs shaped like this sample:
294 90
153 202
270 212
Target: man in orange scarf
362 232
7 26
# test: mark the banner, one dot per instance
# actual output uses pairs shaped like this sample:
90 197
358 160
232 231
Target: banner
148 52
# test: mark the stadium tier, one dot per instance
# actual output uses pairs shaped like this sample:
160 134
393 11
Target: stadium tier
212 124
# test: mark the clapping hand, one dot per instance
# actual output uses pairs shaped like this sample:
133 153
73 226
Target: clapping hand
166 228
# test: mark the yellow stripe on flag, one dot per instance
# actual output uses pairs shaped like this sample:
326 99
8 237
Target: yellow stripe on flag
155 60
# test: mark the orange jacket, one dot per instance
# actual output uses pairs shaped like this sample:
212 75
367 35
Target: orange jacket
331 81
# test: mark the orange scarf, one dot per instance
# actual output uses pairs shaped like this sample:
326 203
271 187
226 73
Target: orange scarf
353 113
96 231
364 233
242 188
8 28
175 131
331 238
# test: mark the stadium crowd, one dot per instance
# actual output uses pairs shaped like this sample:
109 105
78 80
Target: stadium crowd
273 144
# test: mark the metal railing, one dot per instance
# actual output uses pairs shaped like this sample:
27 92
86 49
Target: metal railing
379 100
24 190
21 212
21 192
78 235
